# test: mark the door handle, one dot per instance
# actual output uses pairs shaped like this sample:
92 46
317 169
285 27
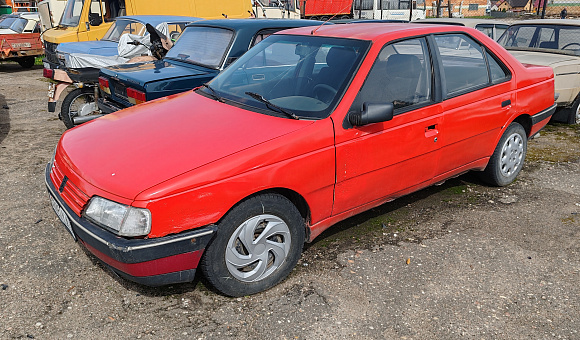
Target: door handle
506 103
431 131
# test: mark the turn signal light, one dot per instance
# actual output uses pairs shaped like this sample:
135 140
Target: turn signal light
134 96
104 85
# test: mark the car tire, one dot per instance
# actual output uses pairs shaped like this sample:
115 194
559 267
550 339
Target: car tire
26 62
256 246
75 101
508 157
574 115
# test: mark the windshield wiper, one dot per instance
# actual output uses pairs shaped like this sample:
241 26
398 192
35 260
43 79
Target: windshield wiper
270 104
213 93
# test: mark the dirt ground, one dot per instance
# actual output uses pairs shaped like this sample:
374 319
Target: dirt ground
459 260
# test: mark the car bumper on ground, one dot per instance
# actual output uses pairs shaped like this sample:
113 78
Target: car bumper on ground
153 262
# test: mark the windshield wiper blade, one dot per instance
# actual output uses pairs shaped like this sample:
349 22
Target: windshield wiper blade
259 97
213 93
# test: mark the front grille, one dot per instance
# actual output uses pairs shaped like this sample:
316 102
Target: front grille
118 89
72 195
50 52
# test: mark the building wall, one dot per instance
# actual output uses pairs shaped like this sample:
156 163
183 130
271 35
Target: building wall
470 8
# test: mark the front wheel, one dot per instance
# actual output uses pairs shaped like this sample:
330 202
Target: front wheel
77 103
256 246
508 157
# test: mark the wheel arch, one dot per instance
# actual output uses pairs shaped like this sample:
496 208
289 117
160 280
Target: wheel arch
294 197
524 120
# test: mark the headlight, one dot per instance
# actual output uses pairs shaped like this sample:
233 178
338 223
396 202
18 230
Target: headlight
124 219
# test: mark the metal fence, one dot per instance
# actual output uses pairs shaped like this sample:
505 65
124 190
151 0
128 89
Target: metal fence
558 8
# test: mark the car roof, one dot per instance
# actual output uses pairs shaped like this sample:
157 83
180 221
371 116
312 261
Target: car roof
154 20
469 22
376 31
256 23
568 22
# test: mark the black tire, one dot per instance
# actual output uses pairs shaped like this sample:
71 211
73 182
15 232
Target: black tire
254 214
508 157
26 62
72 102
574 115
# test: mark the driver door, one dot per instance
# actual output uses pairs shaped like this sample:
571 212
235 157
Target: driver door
93 27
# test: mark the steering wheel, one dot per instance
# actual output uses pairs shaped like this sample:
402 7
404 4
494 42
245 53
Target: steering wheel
571 44
321 89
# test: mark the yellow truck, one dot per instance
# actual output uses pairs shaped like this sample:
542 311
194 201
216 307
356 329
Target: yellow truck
84 20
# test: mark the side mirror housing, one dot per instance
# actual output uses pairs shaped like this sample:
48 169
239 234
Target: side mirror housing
95 19
372 113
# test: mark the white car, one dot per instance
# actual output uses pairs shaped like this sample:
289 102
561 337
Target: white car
26 22
554 43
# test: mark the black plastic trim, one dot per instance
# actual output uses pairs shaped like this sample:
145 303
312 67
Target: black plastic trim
131 250
159 280
542 115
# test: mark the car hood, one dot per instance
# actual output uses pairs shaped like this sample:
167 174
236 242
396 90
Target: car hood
99 47
131 150
544 59
142 73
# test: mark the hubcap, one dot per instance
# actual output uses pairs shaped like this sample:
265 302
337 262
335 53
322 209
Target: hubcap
257 248
512 153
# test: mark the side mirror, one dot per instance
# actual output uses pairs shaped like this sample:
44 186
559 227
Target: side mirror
372 113
95 19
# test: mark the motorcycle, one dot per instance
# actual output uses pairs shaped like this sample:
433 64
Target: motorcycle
80 105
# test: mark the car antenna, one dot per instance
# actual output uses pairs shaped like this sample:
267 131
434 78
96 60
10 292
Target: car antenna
327 20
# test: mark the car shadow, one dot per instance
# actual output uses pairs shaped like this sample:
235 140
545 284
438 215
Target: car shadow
4 118
389 207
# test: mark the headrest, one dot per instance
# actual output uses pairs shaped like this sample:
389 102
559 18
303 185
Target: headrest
340 56
403 65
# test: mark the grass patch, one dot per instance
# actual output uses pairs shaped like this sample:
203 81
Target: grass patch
38 60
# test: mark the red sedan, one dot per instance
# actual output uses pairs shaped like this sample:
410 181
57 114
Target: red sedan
311 126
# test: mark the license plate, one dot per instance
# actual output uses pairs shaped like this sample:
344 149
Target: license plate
51 89
62 216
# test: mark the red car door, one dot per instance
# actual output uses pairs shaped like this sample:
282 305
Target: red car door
478 99
384 160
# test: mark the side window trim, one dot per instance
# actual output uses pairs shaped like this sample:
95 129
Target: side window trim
443 87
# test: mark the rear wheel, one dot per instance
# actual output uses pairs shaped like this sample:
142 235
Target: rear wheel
26 62
77 103
256 246
508 157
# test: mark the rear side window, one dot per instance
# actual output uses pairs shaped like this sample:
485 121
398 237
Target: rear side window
465 64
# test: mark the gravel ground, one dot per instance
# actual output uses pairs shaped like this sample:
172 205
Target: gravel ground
457 261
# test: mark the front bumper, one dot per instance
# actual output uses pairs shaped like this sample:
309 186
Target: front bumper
152 262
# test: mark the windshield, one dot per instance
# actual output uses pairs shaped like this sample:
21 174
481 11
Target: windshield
562 39
303 75
72 13
205 46
15 24
122 26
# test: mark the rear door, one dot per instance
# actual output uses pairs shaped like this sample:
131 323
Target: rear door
477 100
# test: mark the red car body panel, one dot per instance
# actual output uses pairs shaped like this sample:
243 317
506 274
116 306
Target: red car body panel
189 159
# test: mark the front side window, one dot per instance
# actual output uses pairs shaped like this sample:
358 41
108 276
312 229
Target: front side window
401 75
95 13
465 68
72 13
287 75
205 46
